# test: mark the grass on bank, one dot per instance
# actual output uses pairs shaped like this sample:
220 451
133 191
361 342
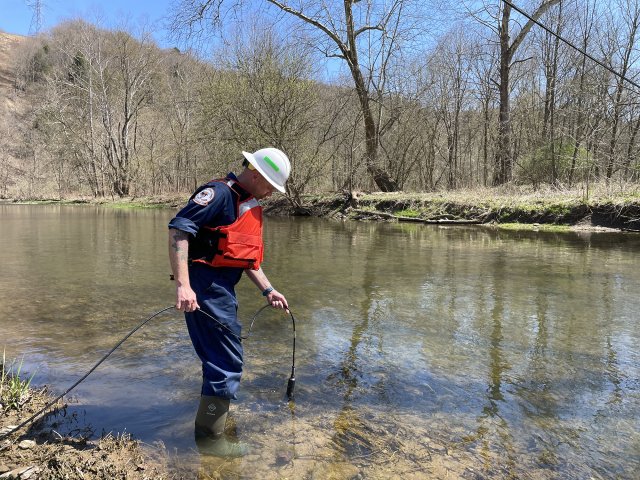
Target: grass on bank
514 206
535 227
122 203
510 194
522 197
14 391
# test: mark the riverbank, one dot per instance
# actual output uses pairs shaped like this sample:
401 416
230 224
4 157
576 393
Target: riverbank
512 207
500 208
509 207
39 451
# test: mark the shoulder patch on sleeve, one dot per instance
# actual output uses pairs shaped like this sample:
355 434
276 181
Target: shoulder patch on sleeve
204 197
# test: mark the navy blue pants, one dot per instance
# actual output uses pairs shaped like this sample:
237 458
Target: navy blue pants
219 350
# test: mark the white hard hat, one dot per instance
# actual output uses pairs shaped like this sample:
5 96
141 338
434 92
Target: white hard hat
272 164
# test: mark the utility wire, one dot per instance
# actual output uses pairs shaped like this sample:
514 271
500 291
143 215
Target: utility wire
562 39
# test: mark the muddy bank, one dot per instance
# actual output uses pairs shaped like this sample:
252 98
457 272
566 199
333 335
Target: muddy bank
40 451
620 214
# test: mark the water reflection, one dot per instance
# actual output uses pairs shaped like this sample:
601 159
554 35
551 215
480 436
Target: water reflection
421 350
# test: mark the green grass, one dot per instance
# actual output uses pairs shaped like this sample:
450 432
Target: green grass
541 227
409 212
146 203
132 205
13 390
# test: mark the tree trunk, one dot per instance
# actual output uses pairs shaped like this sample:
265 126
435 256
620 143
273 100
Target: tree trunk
552 100
580 118
630 148
485 144
504 161
618 102
381 178
502 169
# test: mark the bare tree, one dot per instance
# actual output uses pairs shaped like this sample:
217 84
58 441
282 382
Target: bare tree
624 36
508 48
5 159
580 100
366 37
181 103
71 100
124 92
483 68
451 64
261 95
550 59
100 85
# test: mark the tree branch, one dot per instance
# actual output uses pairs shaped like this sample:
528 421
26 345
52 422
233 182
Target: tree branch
546 5
310 21
367 28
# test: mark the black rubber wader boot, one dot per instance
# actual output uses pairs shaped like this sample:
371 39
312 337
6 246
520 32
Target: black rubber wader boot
209 429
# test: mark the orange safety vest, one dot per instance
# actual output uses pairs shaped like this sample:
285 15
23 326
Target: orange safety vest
238 244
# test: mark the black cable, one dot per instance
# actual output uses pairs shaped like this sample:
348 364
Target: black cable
292 379
562 39
290 385
239 337
48 405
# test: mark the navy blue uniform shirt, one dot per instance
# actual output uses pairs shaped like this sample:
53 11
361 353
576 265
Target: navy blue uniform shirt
204 210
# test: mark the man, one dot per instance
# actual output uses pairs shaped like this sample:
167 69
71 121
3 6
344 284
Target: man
212 240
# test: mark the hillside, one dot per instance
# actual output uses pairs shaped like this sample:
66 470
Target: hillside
13 104
9 100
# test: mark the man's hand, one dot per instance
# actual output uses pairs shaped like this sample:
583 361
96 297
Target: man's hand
277 300
186 299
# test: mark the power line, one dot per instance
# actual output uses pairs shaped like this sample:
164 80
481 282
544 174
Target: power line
36 19
559 37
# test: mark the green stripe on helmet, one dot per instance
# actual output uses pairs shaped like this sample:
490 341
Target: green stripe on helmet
271 164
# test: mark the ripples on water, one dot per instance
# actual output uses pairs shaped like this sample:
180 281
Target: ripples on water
421 350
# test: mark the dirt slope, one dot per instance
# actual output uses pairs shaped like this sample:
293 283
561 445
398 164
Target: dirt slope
13 104
9 43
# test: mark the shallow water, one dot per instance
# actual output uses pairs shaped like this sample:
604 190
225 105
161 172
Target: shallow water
421 350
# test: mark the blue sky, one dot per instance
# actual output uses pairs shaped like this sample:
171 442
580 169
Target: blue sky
15 15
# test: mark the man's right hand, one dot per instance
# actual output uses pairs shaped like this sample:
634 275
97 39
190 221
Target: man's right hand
186 299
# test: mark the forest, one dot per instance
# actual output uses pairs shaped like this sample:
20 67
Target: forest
401 95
